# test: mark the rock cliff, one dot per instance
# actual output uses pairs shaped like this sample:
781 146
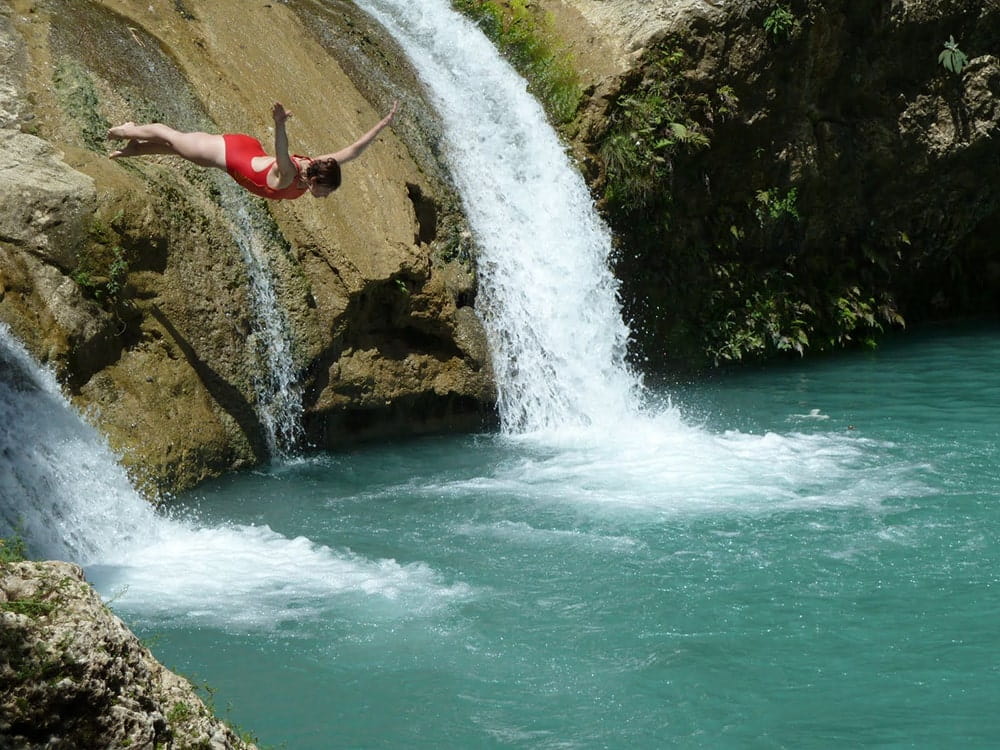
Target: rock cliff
134 278
794 175
75 677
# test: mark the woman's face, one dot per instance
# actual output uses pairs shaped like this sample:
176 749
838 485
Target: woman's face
317 190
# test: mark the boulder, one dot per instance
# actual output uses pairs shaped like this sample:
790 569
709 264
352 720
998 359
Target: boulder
75 676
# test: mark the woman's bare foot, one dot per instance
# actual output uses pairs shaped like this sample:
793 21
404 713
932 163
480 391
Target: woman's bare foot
120 132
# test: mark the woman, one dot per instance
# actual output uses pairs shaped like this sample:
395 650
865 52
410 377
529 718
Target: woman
282 176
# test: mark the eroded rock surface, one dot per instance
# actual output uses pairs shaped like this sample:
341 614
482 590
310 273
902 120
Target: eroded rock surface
75 677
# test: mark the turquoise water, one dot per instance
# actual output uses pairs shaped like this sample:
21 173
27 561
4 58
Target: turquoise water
801 557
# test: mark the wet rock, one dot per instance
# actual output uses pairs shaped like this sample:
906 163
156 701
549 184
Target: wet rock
132 278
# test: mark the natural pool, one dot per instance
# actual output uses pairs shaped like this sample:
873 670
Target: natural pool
805 556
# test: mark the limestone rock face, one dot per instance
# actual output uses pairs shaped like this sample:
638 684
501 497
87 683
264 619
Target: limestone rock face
893 159
47 205
158 290
75 677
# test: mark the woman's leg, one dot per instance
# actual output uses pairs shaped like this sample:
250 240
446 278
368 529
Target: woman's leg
204 149
142 148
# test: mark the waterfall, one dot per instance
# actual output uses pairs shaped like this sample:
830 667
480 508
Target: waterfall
61 488
64 493
279 394
547 296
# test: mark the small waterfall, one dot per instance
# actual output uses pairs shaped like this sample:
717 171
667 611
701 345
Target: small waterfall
61 488
547 296
279 394
64 493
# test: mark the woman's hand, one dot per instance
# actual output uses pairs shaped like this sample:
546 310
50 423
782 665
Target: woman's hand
279 114
392 113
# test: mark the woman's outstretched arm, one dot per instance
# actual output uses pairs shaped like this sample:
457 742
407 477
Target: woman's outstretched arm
354 150
284 168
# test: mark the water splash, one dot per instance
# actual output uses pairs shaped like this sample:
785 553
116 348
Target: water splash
547 296
61 487
64 493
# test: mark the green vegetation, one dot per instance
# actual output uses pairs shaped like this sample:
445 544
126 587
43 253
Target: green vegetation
711 261
525 36
77 94
771 206
952 58
648 127
46 598
32 607
767 316
102 266
179 712
12 550
106 285
779 24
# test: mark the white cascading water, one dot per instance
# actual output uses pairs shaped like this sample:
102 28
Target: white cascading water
61 489
64 493
279 393
547 296
549 302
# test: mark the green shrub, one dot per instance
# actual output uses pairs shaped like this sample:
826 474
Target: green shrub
102 266
647 127
770 205
780 23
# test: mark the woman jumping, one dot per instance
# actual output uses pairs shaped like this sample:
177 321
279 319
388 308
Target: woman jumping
282 176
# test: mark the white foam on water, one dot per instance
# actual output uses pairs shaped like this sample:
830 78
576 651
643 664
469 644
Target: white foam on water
520 532
64 492
253 578
654 463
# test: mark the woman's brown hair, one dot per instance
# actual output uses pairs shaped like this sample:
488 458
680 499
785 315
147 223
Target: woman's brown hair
326 171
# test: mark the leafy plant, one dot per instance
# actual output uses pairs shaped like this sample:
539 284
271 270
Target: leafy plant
952 58
102 266
772 205
648 127
779 23
755 315
104 285
12 550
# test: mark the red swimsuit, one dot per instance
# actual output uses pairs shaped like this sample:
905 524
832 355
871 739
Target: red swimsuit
240 151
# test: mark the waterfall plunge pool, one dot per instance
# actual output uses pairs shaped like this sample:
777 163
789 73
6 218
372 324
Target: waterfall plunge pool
802 557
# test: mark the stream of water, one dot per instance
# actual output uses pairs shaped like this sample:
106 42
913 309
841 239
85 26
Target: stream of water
823 576
546 294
